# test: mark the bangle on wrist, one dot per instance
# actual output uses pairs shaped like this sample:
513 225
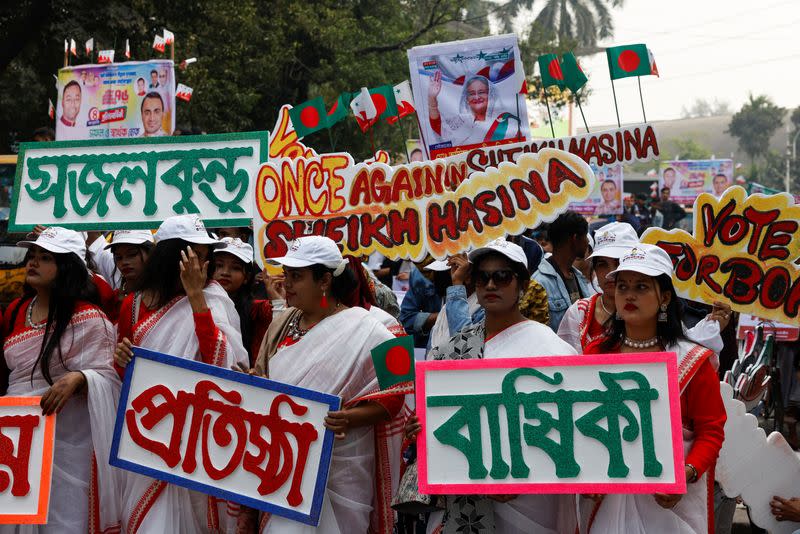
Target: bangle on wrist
694 476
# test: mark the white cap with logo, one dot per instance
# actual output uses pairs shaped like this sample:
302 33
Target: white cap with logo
59 240
238 248
313 250
510 250
187 227
131 237
613 240
649 260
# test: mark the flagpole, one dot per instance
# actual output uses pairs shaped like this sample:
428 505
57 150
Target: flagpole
614 92
549 116
519 121
639 79
578 101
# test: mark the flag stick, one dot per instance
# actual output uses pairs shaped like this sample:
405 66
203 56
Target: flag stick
371 141
519 121
578 101
66 57
614 92
403 139
549 116
639 80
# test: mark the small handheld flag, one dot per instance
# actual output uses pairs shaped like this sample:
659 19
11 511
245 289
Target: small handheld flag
183 92
127 49
338 111
105 56
404 99
394 361
51 109
364 109
169 37
159 43
90 46
550 71
309 117
629 60
73 48
574 78
653 67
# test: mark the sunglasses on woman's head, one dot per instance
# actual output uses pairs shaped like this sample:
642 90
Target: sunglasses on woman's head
501 277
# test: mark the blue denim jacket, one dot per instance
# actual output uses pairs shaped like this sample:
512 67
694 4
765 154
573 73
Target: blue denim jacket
557 293
458 310
420 301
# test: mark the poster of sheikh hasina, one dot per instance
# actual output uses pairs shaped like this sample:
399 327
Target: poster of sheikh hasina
468 93
131 99
554 424
238 437
606 197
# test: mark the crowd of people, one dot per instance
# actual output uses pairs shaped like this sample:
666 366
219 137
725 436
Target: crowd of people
196 293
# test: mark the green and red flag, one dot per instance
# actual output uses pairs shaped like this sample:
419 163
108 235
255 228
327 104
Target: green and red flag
629 60
574 78
550 70
394 361
340 108
653 67
309 117
385 103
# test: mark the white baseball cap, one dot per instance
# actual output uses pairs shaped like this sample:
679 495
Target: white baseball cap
614 240
131 237
59 240
645 259
238 248
313 250
187 227
510 250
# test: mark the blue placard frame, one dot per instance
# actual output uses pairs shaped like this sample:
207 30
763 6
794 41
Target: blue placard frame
334 402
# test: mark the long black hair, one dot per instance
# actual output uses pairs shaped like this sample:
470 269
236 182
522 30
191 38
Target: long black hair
162 272
144 250
73 283
668 332
341 286
243 300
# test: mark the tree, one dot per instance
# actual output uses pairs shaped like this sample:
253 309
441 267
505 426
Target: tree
704 108
754 124
688 148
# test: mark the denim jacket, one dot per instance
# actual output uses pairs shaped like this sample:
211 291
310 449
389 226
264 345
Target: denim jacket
419 302
557 293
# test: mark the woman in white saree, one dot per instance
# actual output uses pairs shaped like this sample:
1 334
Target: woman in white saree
648 319
500 273
59 346
178 309
321 344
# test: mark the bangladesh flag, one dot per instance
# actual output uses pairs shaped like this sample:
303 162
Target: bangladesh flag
550 70
394 361
574 78
309 117
385 103
629 60
340 108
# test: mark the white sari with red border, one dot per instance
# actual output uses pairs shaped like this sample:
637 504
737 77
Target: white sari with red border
334 357
83 495
640 514
154 506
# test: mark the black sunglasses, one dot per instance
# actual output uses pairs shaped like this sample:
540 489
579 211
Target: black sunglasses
501 277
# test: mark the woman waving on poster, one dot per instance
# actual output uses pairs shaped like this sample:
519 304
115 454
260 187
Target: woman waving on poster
475 121
648 319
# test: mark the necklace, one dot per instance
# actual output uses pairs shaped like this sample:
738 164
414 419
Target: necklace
646 344
29 317
603 305
295 332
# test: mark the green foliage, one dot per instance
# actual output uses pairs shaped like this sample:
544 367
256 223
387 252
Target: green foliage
688 148
754 124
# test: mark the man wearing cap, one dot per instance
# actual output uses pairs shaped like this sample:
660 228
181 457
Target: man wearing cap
563 282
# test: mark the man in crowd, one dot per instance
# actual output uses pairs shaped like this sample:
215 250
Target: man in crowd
569 237
720 184
152 114
673 213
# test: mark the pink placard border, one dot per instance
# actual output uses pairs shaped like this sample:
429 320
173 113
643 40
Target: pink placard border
669 359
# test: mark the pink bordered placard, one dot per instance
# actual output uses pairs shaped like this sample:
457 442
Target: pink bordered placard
32 507
661 365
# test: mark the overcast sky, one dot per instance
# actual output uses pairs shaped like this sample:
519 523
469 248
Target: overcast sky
703 49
